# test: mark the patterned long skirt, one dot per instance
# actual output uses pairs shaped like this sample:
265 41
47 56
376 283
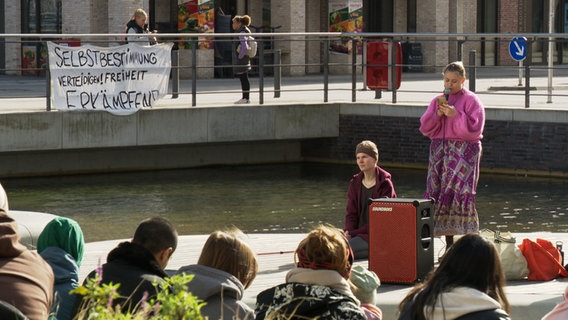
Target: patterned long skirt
453 172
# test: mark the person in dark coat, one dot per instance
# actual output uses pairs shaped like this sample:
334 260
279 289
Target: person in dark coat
139 263
372 182
138 24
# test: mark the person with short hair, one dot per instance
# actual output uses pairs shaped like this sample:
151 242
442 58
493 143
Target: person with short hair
372 182
139 263
242 63
455 126
26 280
317 287
469 284
138 24
226 267
61 244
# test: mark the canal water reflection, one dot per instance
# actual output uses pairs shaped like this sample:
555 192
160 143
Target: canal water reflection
264 198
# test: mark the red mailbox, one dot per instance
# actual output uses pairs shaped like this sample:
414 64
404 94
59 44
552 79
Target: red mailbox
378 64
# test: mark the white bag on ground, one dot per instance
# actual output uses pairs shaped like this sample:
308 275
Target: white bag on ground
512 259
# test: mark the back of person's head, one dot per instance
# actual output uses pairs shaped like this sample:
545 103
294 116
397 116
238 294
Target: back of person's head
227 251
244 20
325 247
63 233
472 261
156 234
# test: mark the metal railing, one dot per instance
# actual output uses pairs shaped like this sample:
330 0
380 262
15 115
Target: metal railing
357 67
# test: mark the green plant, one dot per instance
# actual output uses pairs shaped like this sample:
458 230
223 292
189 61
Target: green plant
173 301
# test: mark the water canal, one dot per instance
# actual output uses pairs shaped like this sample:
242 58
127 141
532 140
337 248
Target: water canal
264 198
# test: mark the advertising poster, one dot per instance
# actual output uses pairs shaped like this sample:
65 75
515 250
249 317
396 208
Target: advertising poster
32 64
197 16
121 80
345 16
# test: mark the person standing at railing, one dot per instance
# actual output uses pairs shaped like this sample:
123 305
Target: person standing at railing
454 123
138 25
242 64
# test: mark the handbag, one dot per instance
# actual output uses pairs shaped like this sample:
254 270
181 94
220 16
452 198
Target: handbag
512 259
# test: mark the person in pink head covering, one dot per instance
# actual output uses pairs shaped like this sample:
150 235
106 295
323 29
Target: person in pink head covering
560 312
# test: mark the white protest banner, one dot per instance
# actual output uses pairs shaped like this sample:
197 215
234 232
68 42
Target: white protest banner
120 79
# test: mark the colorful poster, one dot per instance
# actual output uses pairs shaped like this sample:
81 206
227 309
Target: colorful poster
197 16
345 16
32 65
120 80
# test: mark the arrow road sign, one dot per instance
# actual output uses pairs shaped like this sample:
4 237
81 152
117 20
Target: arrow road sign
518 48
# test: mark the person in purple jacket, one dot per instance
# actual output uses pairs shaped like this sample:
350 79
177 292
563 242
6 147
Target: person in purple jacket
455 126
372 182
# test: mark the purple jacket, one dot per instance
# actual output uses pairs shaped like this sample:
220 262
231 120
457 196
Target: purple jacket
383 188
467 125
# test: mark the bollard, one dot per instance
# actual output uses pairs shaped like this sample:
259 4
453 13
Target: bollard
472 70
175 74
326 43
47 84
194 72
364 65
260 74
528 74
277 72
353 70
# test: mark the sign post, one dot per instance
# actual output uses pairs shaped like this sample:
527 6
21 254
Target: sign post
518 51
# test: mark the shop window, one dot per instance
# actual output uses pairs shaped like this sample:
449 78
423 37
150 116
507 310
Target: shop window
38 16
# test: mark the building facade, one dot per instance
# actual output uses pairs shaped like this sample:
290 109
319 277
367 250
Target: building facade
300 56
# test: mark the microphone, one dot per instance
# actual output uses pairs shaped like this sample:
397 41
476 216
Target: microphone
447 93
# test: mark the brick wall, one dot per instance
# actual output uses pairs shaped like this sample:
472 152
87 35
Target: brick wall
507 145
508 23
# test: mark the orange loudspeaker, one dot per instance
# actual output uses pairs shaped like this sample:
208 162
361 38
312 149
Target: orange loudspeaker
401 245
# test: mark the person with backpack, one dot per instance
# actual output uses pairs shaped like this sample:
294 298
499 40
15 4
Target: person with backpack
137 25
242 64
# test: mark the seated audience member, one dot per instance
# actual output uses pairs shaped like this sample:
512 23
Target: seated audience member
560 311
364 284
26 280
318 287
371 182
468 284
61 244
139 263
226 267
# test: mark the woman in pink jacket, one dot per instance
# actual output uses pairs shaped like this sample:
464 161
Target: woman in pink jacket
455 124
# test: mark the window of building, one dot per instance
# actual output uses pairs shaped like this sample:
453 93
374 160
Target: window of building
38 16
487 23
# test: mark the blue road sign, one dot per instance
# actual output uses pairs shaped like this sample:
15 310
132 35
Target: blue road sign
518 48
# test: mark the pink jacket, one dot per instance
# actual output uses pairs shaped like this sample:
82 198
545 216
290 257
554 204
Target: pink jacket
467 125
